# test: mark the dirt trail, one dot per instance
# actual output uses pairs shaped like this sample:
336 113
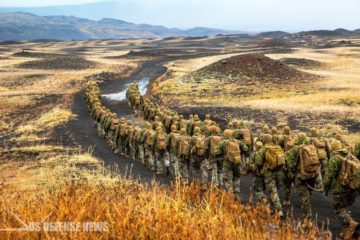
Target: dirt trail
84 134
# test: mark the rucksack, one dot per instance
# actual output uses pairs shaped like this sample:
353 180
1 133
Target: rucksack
246 134
350 171
320 144
290 142
150 137
123 130
274 156
200 146
168 121
183 123
233 153
214 141
309 161
183 145
161 141
137 100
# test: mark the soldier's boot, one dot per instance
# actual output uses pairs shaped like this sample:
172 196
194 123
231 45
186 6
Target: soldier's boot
307 224
349 231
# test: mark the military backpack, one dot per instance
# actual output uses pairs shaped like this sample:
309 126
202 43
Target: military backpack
214 142
233 153
320 145
309 161
246 135
350 171
150 137
274 156
183 145
290 142
200 146
161 141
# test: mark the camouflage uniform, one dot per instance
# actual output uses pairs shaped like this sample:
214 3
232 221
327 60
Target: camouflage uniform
215 161
182 155
245 156
161 156
258 175
231 171
128 139
302 183
147 140
196 123
288 176
343 196
136 146
189 124
199 161
171 147
357 150
157 123
271 177
120 134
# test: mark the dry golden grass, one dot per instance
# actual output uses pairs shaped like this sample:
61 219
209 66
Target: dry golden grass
134 211
336 91
48 120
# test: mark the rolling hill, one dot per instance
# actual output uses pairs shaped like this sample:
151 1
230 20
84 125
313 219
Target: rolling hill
27 26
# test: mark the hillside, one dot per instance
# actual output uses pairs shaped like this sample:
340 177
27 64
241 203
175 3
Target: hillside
26 26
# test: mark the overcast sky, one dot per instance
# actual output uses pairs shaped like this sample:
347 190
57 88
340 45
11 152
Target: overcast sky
248 15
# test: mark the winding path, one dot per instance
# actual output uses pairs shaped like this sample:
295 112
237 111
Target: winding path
84 134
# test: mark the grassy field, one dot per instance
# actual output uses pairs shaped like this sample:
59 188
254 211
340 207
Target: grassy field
41 175
333 93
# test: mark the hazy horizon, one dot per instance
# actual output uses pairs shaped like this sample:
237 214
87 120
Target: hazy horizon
242 15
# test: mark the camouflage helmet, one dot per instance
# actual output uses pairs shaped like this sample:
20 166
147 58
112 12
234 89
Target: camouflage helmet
214 129
302 136
314 132
230 125
147 125
181 116
228 133
286 130
335 145
197 130
122 120
207 117
266 129
157 118
241 124
129 122
267 139
159 129
274 130
258 145
196 117
173 128
183 131
339 137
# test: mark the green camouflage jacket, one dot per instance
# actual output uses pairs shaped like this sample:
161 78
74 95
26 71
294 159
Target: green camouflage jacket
260 163
221 148
332 177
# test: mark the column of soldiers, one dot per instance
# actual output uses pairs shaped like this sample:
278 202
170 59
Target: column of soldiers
190 149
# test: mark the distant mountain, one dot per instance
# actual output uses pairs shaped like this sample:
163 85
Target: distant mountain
274 34
329 33
26 26
94 10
